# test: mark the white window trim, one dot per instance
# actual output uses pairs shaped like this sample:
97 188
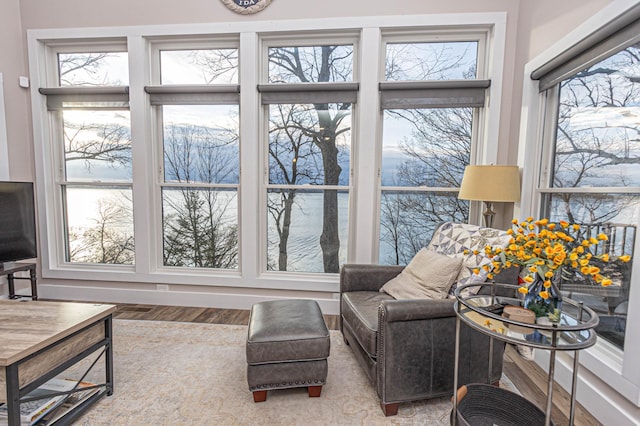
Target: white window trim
607 368
158 183
364 199
312 38
4 149
483 151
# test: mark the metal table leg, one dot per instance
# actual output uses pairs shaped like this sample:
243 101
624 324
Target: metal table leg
13 395
109 355
454 417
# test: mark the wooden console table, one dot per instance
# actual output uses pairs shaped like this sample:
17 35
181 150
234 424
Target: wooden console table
18 267
43 339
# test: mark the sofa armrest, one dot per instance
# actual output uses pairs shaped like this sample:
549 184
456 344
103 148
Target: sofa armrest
366 277
419 309
416 351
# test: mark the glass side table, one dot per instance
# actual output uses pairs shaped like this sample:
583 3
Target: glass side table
573 332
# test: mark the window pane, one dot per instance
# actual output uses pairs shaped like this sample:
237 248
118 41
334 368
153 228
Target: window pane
307 230
94 69
200 227
408 219
201 143
210 66
313 64
426 147
97 145
99 225
431 61
598 138
617 216
308 145
595 208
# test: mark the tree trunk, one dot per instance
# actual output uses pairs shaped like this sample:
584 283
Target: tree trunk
329 240
286 225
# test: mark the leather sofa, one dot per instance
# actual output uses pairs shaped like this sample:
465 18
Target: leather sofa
407 347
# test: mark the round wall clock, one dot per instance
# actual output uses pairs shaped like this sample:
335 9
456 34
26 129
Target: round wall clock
246 7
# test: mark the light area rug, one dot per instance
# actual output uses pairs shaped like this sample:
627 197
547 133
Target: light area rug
172 373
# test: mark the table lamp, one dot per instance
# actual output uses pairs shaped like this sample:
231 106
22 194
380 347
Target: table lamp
490 184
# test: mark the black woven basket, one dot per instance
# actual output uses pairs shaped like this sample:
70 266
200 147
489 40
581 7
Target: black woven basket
490 405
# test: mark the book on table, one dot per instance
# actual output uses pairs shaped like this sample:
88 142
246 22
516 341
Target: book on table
32 411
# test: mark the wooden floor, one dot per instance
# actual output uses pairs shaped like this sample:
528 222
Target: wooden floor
530 379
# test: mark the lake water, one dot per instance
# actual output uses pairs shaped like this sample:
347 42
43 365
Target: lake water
88 205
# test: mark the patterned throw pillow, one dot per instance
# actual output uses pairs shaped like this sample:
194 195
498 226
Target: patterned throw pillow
453 239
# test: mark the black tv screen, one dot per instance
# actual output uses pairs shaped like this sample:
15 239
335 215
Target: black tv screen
17 222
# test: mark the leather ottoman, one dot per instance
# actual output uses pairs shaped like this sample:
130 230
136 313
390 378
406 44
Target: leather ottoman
287 347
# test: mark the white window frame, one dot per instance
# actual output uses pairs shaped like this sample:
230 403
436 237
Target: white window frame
609 381
478 141
4 150
308 39
55 169
363 199
156 247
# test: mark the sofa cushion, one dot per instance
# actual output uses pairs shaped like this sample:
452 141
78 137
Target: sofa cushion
429 275
360 312
453 239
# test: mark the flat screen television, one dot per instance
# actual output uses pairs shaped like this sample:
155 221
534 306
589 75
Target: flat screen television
17 222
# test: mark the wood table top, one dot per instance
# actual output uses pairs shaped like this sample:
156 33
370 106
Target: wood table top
27 327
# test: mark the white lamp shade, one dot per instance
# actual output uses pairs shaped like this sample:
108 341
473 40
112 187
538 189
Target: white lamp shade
490 183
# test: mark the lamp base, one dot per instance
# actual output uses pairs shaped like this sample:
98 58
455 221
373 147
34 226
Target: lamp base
488 214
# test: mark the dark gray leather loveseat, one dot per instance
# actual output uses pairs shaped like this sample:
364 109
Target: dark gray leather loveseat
407 347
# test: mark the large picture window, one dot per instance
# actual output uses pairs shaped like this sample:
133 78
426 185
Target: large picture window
91 110
595 177
309 151
430 99
216 159
197 106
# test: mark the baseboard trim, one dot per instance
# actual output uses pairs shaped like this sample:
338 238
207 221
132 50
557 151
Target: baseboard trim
169 298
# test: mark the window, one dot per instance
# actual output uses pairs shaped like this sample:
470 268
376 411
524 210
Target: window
593 177
94 180
582 158
197 106
309 152
431 101
247 159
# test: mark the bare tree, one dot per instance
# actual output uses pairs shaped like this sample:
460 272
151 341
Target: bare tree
107 241
197 228
91 139
438 151
217 64
90 65
430 61
320 64
291 152
108 143
590 150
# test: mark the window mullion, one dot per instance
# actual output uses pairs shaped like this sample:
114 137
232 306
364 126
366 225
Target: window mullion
145 213
549 132
366 159
251 253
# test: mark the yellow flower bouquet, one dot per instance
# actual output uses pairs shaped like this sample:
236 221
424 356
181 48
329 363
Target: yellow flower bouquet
541 248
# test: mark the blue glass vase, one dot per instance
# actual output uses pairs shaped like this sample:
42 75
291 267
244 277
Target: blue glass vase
540 306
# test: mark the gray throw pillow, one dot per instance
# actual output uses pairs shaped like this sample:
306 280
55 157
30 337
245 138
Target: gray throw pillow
429 275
